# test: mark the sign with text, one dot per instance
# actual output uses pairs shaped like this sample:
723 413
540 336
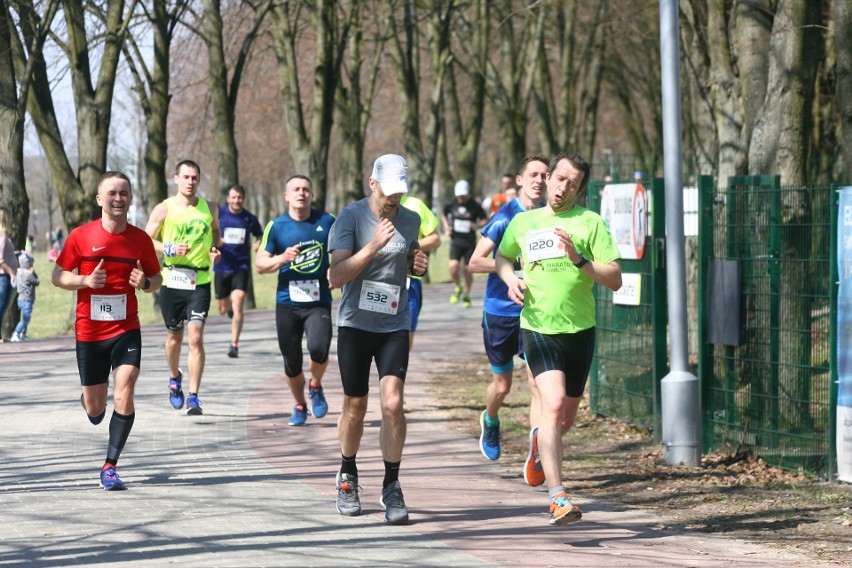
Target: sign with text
630 293
844 336
623 208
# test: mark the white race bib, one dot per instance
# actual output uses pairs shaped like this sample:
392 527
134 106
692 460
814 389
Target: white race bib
461 226
304 290
379 297
234 236
181 278
108 308
541 244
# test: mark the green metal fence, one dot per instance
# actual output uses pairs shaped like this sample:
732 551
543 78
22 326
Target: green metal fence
771 393
630 347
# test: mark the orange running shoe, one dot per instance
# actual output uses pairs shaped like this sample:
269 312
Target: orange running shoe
533 472
562 512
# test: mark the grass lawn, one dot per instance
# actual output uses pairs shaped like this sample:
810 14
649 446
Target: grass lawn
52 311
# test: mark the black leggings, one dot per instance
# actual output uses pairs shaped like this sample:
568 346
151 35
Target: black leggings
292 322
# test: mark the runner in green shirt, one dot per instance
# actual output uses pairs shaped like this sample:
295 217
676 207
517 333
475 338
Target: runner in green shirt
566 250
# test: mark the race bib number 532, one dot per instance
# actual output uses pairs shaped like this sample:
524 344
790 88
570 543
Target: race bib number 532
379 297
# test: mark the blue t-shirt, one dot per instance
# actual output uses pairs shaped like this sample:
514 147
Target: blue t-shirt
308 274
497 300
235 230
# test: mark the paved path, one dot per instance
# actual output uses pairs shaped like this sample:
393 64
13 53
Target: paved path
238 487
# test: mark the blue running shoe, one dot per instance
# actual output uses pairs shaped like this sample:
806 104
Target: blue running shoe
299 416
193 406
489 439
319 406
110 480
175 392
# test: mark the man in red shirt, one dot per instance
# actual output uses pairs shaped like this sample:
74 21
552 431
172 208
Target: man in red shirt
106 261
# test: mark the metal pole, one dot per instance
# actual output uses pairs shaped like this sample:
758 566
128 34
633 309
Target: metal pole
679 391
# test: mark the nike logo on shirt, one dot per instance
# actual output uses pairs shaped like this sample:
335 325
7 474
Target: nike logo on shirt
96 249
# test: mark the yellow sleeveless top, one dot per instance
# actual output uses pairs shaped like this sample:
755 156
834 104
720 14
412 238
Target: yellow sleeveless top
192 226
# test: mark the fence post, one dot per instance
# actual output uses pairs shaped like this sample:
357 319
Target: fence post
659 300
706 238
832 338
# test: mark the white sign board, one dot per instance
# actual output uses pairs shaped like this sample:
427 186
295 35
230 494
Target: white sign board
624 211
630 293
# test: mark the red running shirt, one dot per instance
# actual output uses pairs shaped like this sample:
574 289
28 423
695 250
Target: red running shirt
84 249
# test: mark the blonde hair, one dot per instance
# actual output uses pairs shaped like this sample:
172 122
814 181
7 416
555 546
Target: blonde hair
5 217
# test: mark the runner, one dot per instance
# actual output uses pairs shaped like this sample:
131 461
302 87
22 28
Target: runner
187 226
566 249
429 240
374 246
112 260
232 273
295 245
501 330
461 217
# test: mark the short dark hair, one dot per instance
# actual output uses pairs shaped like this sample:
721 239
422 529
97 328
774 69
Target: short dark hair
298 176
114 174
238 188
578 162
509 175
189 163
531 158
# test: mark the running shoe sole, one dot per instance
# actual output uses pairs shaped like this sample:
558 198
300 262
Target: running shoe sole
572 515
534 477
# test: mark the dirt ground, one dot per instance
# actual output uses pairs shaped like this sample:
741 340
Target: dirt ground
734 495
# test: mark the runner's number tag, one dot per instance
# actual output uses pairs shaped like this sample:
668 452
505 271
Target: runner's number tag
234 235
461 226
304 290
181 278
541 244
108 308
379 297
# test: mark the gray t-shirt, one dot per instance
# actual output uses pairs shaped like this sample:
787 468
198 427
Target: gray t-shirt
377 299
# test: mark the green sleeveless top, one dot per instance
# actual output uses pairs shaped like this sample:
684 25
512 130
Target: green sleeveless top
191 226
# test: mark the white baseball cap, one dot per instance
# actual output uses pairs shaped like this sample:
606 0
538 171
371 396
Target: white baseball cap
391 171
462 188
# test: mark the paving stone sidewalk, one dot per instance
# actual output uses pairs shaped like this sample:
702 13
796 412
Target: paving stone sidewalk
238 487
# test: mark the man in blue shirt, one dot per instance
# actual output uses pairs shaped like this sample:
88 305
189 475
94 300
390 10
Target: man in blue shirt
231 278
295 245
501 316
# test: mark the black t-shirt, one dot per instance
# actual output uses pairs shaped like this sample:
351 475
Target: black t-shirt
463 218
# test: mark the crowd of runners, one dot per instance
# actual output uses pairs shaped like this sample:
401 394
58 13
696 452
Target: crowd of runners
542 251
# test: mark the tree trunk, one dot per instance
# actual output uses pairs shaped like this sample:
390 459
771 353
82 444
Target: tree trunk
467 125
309 143
842 33
217 81
780 145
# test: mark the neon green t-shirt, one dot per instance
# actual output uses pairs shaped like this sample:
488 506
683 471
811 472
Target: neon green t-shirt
559 297
428 221
191 226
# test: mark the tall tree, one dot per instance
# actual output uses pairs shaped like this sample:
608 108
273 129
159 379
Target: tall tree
567 103
842 33
421 145
17 59
354 104
92 103
511 75
309 142
151 84
465 120
223 94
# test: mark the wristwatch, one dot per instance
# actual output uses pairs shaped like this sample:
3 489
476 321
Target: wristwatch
583 260
147 283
